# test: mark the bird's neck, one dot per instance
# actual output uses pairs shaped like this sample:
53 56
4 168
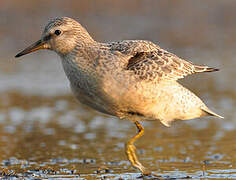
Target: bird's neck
82 56
78 67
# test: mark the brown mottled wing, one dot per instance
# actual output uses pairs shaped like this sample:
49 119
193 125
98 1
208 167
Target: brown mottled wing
162 65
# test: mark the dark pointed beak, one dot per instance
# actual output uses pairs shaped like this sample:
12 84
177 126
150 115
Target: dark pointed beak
34 47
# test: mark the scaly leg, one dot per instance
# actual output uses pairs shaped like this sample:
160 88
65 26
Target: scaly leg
130 150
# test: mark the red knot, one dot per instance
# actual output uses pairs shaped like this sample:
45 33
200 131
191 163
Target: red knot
130 79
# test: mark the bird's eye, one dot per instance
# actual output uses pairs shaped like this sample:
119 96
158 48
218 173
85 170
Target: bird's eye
57 32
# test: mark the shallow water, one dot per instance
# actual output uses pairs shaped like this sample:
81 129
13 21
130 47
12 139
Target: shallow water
45 133
55 137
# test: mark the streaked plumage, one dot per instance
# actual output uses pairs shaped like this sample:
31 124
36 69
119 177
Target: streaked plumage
130 79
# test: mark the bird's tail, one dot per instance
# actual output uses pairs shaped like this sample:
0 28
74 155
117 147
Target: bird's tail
199 69
211 113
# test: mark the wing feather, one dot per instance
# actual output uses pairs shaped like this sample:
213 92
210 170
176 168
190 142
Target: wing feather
162 65
150 62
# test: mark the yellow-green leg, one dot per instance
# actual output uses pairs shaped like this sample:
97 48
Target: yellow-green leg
130 150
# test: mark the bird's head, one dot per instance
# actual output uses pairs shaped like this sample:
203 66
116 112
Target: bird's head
61 35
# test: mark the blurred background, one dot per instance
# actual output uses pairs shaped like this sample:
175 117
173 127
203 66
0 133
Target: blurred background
45 133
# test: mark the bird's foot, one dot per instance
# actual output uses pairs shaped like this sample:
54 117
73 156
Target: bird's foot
149 175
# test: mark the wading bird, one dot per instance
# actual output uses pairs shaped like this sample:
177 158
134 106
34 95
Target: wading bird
130 79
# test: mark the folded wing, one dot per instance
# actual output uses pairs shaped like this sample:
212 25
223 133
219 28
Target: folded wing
162 65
